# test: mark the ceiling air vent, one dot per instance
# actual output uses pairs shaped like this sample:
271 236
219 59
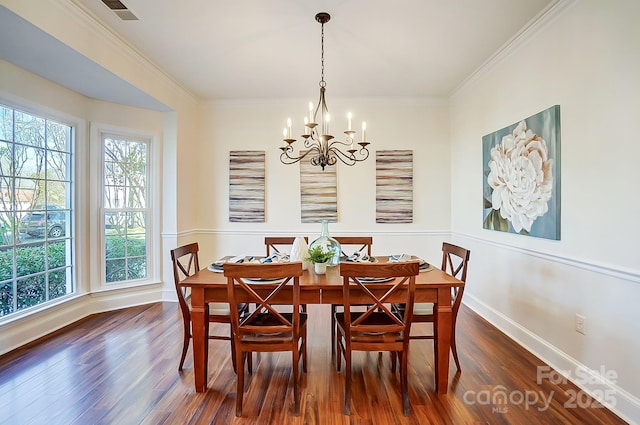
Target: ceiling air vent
120 9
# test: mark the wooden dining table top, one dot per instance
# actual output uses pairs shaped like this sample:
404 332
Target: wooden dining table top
331 280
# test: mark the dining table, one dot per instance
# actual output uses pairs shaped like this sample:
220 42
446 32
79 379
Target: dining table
432 285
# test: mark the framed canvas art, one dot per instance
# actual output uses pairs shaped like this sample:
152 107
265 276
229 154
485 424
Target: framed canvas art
521 176
246 186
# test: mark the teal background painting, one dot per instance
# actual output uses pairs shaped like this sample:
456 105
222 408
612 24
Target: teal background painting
545 124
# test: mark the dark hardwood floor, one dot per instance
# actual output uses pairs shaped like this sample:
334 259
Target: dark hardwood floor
121 368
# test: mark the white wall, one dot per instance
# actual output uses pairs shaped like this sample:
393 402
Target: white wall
586 59
420 126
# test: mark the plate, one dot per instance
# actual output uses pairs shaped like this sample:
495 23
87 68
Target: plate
215 268
376 279
261 280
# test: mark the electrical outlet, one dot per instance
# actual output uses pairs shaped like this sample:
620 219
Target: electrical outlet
580 328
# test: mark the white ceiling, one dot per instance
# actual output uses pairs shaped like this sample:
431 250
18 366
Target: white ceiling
251 49
264 49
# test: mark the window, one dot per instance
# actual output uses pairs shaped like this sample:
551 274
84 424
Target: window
36 232
126 213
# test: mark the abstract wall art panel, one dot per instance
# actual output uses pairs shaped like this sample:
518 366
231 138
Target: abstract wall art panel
394 186
318 193
246 186
521 178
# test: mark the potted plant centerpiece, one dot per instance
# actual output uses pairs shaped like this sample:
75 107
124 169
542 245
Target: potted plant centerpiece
319 257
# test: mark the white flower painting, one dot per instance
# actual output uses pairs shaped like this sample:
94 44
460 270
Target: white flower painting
521 177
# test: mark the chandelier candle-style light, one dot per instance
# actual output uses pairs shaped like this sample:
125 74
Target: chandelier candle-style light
320 144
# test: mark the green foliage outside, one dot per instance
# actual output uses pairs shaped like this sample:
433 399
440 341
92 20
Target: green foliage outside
31 282
134 249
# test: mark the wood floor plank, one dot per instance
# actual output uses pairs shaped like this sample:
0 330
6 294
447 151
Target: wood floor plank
121 368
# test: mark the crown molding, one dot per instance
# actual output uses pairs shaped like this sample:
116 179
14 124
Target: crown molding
83 17
549 14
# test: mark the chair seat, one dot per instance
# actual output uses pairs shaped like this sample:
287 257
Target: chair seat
270 336
375 319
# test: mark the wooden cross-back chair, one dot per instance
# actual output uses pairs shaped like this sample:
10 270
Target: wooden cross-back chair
267 329
378 328
185 263
364 244
275 243
455 261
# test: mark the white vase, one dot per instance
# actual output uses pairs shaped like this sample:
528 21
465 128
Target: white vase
320 268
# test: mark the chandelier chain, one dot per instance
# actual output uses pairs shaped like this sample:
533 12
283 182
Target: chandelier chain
322 82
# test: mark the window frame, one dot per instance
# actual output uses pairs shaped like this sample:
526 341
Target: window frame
76 151
98 270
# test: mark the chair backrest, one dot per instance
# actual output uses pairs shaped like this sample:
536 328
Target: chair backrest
275 243
185 263
455 260
378 296
243 286
364 242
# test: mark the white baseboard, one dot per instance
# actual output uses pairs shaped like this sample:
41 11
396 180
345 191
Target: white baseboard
590 381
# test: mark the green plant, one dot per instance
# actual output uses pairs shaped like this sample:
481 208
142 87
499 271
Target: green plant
317 254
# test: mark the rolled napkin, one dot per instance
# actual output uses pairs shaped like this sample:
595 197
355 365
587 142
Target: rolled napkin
240 259
399 258
277 257
358 257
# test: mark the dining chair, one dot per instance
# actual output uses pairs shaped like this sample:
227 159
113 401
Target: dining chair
185 263
363 244
275 243
267 328
455 261
378 328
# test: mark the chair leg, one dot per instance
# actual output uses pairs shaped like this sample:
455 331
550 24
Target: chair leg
239 355
333 329
454 349
304 351
296 373
347 381
404 384
185 345
338 345
233 355
249 355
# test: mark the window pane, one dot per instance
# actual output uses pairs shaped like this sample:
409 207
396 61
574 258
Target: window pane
58 136
57 284
30 259
57 254
137 268
57 165
116 270
6 160
29 129
6 298
29 162
6 264
115 246
6 123
31 291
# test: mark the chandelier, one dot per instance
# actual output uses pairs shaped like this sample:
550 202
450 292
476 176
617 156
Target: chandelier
320 145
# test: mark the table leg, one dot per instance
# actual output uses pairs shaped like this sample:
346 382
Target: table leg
199 333
442 342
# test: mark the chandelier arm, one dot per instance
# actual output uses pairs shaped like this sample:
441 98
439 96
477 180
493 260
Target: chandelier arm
350 157
285 158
